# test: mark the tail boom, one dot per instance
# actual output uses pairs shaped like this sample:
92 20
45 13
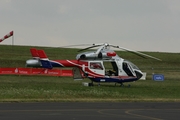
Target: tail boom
40 59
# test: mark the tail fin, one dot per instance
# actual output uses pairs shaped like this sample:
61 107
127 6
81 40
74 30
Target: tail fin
44 59
34 53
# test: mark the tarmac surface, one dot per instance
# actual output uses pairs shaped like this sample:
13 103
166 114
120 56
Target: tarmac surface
90 111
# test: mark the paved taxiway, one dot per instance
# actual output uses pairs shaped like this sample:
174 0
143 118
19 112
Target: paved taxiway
89 111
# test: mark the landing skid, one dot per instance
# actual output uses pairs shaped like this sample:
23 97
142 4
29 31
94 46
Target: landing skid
122 85
92 84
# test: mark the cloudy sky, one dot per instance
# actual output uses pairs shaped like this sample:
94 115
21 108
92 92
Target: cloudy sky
142 25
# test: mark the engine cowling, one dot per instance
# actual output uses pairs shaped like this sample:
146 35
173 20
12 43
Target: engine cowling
94 56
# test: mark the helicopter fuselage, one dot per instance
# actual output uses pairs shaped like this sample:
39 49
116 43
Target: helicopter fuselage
115 69
102 65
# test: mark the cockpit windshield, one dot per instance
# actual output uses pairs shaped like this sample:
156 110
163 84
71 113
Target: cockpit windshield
131 64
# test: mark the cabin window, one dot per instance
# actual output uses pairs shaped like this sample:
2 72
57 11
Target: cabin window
96 65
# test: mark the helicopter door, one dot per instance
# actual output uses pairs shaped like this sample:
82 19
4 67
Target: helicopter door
96 67
111 68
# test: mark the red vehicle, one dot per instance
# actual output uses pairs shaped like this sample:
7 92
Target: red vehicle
102 65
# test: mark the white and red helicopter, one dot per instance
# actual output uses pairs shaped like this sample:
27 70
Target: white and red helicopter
102 65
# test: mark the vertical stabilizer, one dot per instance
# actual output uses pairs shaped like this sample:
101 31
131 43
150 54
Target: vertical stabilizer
44 59
34 53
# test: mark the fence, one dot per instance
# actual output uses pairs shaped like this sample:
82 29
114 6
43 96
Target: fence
35 71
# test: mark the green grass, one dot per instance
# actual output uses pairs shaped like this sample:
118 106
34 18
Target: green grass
14 88
39 88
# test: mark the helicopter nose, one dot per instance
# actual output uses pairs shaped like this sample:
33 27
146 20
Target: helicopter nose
138 74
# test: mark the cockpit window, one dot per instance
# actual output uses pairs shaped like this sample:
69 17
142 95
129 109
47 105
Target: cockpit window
131 64
127 69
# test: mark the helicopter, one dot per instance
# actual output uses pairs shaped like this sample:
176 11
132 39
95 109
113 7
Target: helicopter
102 65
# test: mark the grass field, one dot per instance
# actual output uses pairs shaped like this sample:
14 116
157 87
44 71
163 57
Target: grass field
64 89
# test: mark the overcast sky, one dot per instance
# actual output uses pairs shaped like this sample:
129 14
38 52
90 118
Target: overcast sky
142 25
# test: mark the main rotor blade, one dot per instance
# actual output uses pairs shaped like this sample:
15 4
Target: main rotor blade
89 48
74 45
137 53
69 46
